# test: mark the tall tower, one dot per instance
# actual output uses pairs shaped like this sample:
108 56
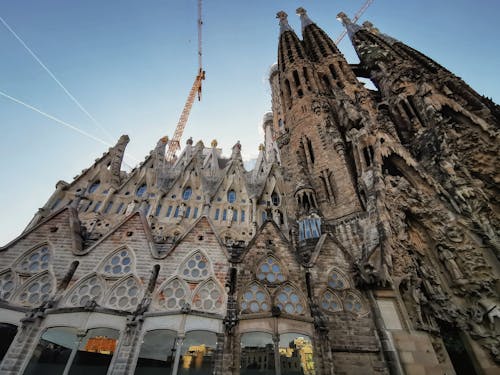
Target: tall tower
312 148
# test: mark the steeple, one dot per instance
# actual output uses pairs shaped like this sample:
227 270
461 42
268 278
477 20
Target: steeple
290 47
318 44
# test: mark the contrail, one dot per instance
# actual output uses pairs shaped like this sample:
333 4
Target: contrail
64 123
55 79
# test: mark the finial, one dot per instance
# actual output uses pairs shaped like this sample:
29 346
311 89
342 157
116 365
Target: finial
262 147
213 143
304 18
189 141
351 28
164 139
283 17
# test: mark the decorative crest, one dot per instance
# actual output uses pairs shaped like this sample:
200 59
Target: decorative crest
304 18
284 26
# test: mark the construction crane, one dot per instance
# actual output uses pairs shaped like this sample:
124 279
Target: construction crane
174 144
355 19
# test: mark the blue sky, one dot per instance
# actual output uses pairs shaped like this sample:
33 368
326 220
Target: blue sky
131 65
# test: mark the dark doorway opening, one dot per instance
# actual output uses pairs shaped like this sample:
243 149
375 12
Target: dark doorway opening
455 346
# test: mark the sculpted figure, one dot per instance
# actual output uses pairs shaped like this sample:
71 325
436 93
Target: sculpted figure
448 258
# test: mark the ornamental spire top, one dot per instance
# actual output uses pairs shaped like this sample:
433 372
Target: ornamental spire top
284 26
304 18
351 27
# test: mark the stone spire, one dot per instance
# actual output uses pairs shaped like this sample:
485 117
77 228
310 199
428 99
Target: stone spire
351 27
284 26
304 18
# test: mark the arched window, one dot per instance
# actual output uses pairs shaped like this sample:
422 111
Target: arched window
186 194
296 354
125 294
275 198
53 351
337 281
196 267
173 295
198 352
270 270
255 299
95 351
288 300
7 334
141 190
157 353
88 289
35 261
118 264
257 354
7 284
94 186
36 290
330 302
208 296
354 304
231 196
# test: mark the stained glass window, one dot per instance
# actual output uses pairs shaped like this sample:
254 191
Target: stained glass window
186 194
37 291
231 196
270 270
196 267
7 284
330 302
255 299
141 190
208 297
174 295
35 261
288 300
125 295
119 264
337 281
86 290
353 303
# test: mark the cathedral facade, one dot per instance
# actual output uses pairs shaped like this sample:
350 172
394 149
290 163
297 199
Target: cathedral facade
365 240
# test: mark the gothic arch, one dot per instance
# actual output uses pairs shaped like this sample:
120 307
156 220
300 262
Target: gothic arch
209 296
118 263
353 302
255 299
330 301
36 290
195 267
8 283
290 300
125 294
337 280
36 259
89 288
270 270
172 294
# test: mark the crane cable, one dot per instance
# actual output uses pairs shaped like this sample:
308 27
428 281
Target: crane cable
355 19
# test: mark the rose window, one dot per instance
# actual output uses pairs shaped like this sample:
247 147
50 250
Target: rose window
255 299
288 300
336 281
196 267
174 295
209 297
125 296
353 304
270 271
90 289
37 291
119 264
330 302
7 284
36 261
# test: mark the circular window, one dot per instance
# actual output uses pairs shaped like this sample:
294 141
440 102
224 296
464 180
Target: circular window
186 194
231 196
